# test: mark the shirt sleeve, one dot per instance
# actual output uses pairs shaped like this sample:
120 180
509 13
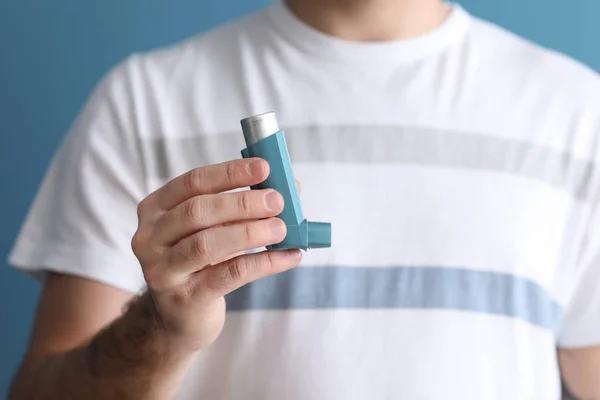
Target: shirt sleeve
85 212
580 325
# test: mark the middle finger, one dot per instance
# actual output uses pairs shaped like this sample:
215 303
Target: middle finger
202 212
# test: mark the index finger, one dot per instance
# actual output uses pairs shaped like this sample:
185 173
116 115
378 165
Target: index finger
211 179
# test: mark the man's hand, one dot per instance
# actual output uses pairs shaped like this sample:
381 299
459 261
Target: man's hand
190 242
188 232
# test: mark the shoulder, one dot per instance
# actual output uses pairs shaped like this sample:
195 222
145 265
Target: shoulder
214 49
181 73
531 93
535 68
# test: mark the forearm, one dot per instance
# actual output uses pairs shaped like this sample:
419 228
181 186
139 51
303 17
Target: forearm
133 358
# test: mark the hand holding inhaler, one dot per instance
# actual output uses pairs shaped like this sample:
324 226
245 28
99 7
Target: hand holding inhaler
192 229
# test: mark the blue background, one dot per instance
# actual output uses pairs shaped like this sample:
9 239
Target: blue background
53 52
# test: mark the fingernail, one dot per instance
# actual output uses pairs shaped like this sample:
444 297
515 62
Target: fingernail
294 255
273 201
255 168
277 227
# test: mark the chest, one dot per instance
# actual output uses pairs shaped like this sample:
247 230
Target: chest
397 196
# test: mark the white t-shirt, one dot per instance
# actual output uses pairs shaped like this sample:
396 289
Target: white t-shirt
459 171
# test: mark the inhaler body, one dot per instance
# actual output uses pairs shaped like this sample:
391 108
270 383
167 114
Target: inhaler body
265 140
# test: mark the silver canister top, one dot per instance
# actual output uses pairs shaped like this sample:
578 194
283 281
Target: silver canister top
258 127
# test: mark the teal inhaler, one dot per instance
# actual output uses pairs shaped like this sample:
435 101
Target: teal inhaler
265 140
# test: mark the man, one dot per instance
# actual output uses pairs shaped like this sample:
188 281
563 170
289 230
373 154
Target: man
456 162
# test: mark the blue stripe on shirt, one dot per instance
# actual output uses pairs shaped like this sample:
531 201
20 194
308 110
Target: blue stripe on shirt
400 288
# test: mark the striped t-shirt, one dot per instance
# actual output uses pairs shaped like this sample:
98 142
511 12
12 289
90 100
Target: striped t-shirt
458 169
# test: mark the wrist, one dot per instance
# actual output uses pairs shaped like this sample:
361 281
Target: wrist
168 341
138 353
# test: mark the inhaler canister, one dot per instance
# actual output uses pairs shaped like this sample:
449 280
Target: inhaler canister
264 139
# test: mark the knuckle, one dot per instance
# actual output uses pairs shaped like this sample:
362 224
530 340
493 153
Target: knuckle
192 180
140 240
244 203
232 172
136 244
195 209
201 247
268 262
237 271
250 233
230 275
142 208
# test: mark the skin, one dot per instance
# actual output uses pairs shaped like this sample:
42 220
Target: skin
190 244
371 20
580 370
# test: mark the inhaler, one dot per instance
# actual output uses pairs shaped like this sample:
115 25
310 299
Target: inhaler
265 140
